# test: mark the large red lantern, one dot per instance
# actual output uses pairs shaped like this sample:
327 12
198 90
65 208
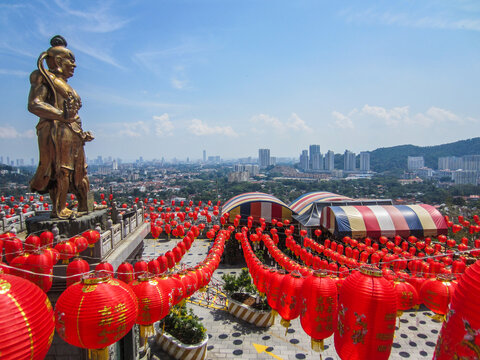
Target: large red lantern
26 321
95 313
367 310
319 313
460 334
46 239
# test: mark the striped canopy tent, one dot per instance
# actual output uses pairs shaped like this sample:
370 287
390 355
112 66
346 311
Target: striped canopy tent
258 205
304 203
383 220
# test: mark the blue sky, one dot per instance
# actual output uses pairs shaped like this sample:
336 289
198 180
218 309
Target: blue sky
171 78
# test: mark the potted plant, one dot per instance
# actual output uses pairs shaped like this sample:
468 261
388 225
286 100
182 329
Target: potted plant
244 302
182 335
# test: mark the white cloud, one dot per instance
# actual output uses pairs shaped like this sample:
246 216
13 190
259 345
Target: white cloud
450 17
18 73
163 125
200 128
9 132
398 116
133 129
268 123
342 121
391 117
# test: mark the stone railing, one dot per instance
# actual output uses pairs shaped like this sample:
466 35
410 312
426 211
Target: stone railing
15 222
109 237
115 233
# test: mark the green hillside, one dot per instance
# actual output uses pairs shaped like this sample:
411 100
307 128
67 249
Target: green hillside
395 158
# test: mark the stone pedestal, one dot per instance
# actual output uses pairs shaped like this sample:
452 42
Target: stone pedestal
68 228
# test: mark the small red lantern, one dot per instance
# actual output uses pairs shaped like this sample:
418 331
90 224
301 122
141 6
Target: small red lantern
104 267
92 237
153 305
75 270
95 313
125 272
32 243
67 250
436 294
46 239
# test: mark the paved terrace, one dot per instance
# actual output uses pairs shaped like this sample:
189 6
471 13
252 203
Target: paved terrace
231 338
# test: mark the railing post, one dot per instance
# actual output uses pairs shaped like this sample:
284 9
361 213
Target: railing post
110 228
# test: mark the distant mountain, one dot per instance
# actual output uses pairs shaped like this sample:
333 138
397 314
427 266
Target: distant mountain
395 157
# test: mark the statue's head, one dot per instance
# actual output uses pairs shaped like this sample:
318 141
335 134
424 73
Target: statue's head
60 60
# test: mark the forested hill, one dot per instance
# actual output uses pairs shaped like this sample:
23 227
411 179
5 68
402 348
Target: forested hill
395 158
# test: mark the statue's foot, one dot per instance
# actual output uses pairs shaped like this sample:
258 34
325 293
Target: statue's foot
66 214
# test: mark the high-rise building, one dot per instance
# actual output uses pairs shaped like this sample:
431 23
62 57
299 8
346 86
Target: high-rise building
471 162
304 160
466 177
450 163
315 158
204 156
415 162
264 158
365 161
349 160
330 160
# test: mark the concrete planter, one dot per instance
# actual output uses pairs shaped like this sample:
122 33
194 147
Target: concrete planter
179 350
253 316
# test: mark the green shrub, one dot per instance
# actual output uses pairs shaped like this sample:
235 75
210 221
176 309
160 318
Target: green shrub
184 325
241 283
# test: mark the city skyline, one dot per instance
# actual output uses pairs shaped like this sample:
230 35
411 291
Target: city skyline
229 78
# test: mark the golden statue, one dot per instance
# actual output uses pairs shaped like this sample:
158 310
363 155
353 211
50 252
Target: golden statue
62 167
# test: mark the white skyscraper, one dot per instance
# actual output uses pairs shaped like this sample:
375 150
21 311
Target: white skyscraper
349 161
415 162
304 160
330 160
365 161
264 158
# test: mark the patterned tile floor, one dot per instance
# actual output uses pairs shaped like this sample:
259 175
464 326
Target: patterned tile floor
230 338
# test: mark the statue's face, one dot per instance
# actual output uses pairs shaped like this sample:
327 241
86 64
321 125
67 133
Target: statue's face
67 64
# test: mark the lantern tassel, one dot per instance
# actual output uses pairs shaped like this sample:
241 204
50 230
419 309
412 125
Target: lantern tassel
285 324
317 345
146 331
98 354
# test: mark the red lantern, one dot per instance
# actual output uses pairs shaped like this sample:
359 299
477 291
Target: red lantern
140 268
40 266
13 247
75 270
80 242
95 313
125 272
436 294
67 250
319 314
103 268
32 243
46 239
153 305
366 316
289 303
92 237
26 321
407 296
459 337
